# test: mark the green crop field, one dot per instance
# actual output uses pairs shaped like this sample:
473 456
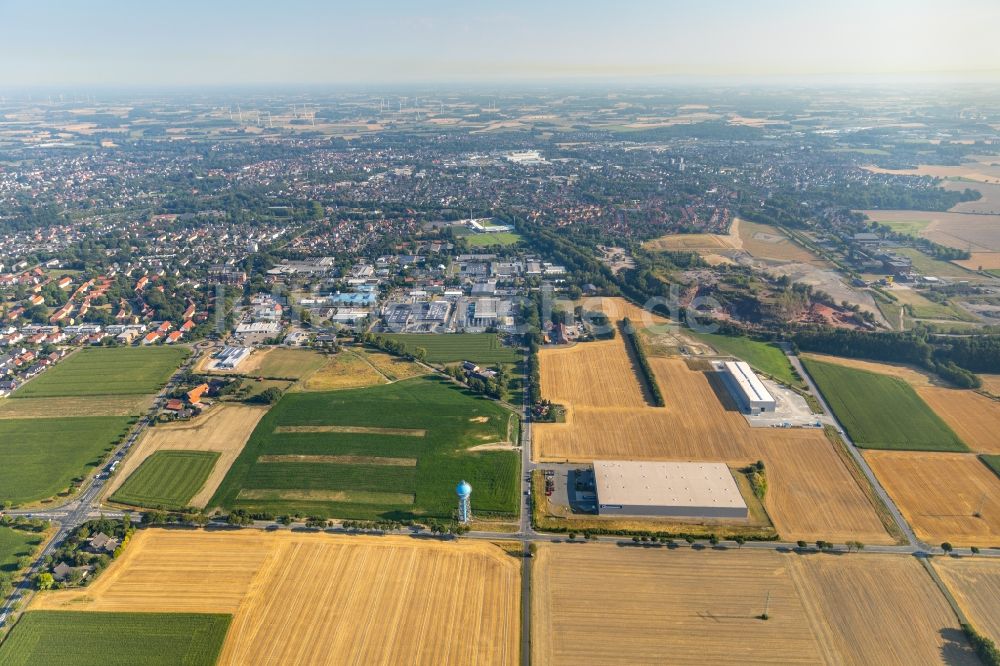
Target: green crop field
881 412
167 479
41 456
992 461
15 544
395 451
483 348
762 356
83 638
107 371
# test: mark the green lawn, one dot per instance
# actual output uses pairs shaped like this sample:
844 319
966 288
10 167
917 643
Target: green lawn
83 638
483 348
762 356
992 461
881 412
15 544
107 371
367 487
167 479
503 238
39 457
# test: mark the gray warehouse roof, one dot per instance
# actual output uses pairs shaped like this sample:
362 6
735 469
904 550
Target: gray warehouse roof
681 484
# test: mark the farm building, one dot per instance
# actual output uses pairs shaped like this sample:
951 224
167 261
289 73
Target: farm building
671 489
750 393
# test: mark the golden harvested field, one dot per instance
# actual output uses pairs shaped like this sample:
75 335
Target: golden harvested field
988 203
963 231
606 418
595 374
858 606
616 309
980 261
601 604
344 370
975 584
225 428
991 383
938 493
766 242
99 405
320 598
974 417
393 367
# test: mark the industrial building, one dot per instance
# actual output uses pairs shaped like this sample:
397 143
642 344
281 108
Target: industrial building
230 357
746 387
668 489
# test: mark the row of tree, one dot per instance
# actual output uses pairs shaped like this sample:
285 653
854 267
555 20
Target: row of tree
635 344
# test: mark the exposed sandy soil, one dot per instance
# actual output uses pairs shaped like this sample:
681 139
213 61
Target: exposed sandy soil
320 598
225 428
940 493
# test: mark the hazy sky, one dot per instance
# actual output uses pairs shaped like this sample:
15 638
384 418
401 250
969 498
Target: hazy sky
179 42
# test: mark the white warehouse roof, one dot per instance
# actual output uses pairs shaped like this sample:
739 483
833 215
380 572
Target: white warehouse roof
673 484
748 382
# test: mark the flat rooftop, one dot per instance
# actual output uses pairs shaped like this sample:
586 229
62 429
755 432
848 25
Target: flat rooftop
748 381
680 484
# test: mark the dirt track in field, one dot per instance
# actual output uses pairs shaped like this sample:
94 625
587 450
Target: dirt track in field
224 428
320 598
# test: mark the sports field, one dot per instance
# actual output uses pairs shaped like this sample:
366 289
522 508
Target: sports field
167 479
975 584
71 638
482 348
940 495
294 461
607 419
881 412
300 598
485 240
762 356
15 544
41 456
107 371
603 604
224 430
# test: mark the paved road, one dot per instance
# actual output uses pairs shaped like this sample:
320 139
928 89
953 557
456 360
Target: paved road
856 454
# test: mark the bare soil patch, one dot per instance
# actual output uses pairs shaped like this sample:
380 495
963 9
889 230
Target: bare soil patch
340 460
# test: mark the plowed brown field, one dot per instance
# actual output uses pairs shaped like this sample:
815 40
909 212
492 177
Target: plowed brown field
225 428
601 604
939 493
322 599
811 494
975 584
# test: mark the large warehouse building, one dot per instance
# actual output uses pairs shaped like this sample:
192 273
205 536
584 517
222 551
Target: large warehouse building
672 489
746 387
